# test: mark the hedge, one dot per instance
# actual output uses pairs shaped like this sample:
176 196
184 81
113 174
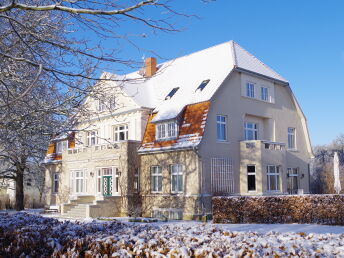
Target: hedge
319 209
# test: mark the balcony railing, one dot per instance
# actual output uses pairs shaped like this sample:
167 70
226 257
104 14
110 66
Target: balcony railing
268 145
98 147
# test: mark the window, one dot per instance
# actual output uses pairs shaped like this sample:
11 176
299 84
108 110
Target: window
221 176
156 177
61 146
121 133
79 181
172 214
172 92
293 185
202 85
221 128
136 181
176 178
264 93
251 131
99 181
291 138
56 182
250 90
29 182
273 175
92 138
166 130
101 105
117 175
251 178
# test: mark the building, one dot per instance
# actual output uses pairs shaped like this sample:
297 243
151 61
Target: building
215 122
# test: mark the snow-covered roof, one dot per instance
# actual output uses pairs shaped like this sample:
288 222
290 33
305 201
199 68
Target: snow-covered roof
187 73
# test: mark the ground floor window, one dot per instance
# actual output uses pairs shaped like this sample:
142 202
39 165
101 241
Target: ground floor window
293 184
176 171
56 177
156 179
172 214
222 181
273 178
78 181
251 178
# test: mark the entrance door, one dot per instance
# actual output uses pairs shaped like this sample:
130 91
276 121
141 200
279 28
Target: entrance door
107 185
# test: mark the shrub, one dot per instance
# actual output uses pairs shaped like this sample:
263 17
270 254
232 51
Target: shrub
320 209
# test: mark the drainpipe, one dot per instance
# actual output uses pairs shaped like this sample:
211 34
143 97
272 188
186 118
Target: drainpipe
201 175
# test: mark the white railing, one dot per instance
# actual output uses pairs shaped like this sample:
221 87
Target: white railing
98 147
268 145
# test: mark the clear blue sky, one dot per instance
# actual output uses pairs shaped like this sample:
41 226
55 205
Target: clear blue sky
301 40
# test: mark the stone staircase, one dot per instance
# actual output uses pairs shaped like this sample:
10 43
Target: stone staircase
88 206
77 208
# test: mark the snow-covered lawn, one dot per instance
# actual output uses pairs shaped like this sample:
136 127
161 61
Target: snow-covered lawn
35 235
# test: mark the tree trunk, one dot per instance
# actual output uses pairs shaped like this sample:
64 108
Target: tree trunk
19 191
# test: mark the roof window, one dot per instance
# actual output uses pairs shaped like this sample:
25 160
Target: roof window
202 85
172 92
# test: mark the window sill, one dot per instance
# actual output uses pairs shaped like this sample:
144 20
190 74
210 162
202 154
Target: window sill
156 192
293 150
220 141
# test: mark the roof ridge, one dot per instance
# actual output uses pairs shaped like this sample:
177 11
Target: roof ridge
234 53
272 70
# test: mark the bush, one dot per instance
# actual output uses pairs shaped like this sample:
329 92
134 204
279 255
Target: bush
320 209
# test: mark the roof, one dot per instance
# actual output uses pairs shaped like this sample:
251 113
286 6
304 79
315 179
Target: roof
191 130
187 73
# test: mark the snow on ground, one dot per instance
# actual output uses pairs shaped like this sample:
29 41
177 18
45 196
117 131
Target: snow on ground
24 234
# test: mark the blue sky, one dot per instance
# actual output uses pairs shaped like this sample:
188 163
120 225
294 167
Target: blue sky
302 40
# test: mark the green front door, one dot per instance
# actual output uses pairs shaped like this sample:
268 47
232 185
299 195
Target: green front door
107 185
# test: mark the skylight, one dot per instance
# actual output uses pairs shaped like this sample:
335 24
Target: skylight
172 92
202 85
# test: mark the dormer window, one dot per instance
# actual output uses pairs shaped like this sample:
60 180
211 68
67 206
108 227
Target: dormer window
167 130
202 85
172 92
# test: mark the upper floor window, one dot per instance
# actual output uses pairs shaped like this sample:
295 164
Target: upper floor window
291 138
176 178
264 93
251 131
250 90
61 146
101 105
221 127
156 179
92 138
273 178
121 133
166 130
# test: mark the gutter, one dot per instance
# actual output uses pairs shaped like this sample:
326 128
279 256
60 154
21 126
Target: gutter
239 69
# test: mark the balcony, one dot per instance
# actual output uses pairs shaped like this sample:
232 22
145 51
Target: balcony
98 152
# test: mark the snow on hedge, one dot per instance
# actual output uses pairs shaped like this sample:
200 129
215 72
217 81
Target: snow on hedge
320 209
35 236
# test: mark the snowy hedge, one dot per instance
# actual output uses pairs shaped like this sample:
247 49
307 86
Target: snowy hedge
320 209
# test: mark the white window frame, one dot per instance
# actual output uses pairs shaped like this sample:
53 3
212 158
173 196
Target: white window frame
264 93
61 146
92 135
99 181
117 131
56 178
179 174
156 173
101 106
277 178
220 124
293 172
166 131
79 181
254 129
292 138
250 90
116 181
252 174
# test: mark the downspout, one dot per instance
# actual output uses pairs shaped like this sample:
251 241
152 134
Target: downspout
200 165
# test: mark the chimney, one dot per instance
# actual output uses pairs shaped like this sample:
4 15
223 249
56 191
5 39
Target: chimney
150 66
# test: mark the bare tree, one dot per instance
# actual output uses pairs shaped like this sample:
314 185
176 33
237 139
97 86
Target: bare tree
51 56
